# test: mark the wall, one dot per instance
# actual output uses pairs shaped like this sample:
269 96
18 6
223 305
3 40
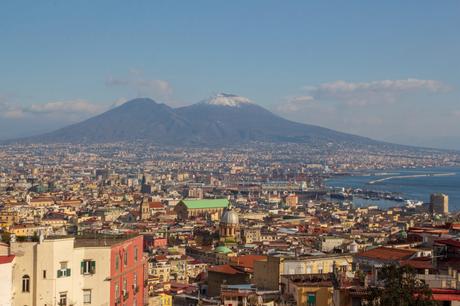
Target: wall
6 283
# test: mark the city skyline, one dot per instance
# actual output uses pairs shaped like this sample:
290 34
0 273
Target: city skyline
388 71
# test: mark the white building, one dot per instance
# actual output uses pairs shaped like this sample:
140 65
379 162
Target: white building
6 281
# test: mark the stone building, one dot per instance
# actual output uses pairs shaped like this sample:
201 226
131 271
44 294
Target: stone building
205 208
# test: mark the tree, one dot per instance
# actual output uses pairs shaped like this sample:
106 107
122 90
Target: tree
399 287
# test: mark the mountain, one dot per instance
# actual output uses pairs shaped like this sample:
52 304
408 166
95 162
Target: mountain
221 119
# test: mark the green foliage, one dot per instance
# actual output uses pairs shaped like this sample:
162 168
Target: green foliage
399 287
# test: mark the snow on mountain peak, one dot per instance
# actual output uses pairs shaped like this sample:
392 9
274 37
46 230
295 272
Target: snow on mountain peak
227 100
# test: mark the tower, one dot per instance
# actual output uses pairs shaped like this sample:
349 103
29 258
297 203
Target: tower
439 203
145 209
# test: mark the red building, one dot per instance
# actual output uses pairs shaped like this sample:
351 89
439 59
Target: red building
127 272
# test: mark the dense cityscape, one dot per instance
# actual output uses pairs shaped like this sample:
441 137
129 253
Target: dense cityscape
137 224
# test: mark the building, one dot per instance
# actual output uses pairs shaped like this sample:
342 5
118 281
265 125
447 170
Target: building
246 294
144 209
267 272
196 193
329 243
439 203
308 289
75 271
225 274
292 200
6 287
205 208
41 202
250 235
229 226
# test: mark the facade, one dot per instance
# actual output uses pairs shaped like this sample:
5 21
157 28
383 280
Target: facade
76 271
225 274
308 289
250 235
267 272
292 200
144 209
212 208
329 243
6 274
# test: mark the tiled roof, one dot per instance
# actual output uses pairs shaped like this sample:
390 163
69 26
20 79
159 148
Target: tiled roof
247 261
449 242
446 294
383 253
225 269
6 259
418 263
155 205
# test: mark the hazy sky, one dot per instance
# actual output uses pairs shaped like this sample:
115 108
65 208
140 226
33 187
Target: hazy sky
384 69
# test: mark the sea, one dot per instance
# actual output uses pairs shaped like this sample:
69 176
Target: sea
413 184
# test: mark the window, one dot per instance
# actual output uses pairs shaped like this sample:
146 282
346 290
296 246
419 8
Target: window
311 299
88 267
87 296
320 269
135 253
63 271
125 286
26 283
117 263
62 298
44 273
135 287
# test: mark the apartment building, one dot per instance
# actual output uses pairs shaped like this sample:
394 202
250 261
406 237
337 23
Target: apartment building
78 271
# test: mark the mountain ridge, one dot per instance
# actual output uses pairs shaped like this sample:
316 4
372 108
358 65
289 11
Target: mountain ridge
219 120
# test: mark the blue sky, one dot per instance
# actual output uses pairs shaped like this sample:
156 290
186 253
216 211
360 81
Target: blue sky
384 69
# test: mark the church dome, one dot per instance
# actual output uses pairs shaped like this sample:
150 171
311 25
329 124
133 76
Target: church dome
229 217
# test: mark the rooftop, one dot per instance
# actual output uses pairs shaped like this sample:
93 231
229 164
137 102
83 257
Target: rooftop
205 203
383 253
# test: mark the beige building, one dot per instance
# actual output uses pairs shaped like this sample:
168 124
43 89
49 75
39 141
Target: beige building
41 202
49 272
439 203
29 230
328 243
267 272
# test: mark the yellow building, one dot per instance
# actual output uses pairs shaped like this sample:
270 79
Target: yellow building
41 202
166 299
308 289
29 230
8 218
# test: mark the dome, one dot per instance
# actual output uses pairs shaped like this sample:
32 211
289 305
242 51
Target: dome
229 217
223 249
